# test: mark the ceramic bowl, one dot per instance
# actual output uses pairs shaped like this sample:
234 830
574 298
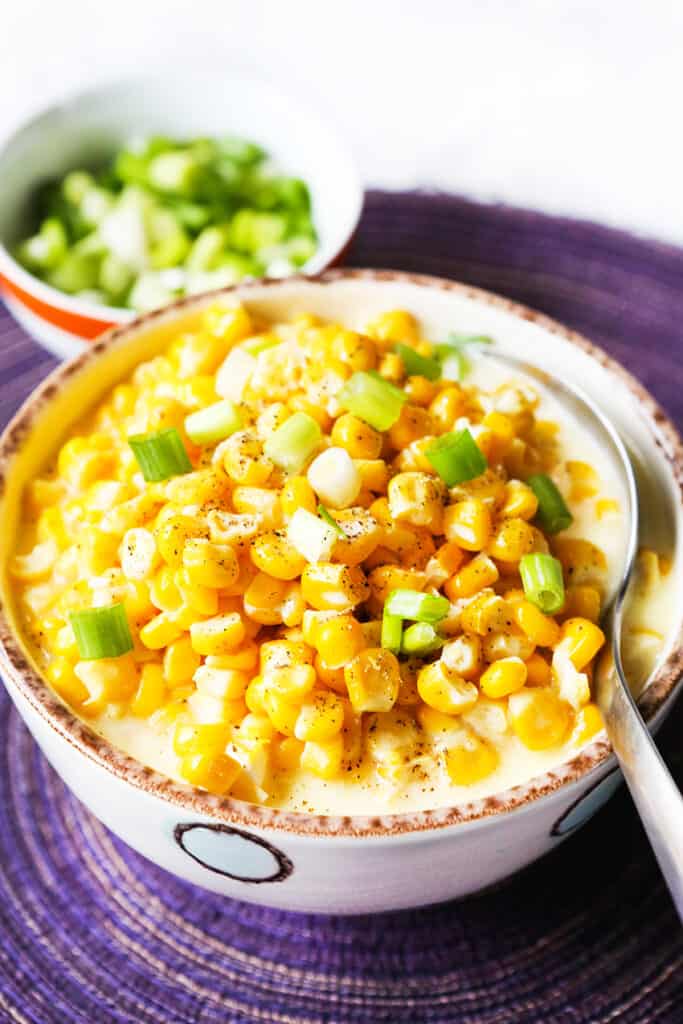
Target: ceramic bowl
91 125
316 862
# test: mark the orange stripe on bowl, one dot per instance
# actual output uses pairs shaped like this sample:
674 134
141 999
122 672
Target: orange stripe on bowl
75 323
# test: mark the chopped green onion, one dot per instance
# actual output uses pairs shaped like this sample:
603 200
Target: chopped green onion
293 443
214 423
455 340
421 638
417 365
392 632
457 457
102 632
373 399
160 455
553 514
412 604
259 344
330 520
542 581
454 365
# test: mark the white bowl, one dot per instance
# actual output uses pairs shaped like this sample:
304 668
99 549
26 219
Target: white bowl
91 125
320 862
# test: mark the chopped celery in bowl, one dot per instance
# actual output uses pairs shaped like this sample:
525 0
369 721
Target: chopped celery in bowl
169 218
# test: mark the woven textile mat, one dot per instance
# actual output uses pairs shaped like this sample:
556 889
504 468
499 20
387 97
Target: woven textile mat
90 932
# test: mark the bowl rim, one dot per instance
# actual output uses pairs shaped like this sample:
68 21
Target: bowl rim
597 754
23 285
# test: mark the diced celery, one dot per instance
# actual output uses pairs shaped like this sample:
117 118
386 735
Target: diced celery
78 271
115 277
251 230
47 249
95 205
206 249
174 172
124 229
149 292
75 185
169 242
241 150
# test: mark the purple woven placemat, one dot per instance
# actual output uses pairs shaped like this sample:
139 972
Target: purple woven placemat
91 932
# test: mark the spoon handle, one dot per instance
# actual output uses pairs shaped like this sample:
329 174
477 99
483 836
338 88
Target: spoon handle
655 794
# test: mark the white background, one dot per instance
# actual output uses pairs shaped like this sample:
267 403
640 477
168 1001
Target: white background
564 105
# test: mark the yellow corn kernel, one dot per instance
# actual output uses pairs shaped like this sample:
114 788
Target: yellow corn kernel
284 654
164 592
606 507
583 480
362 534
52 527
223 683
83 460
165 718
297 493
503 677
386 578
419 390
60 673
173 534
502 428
330 677
488 487
292 682
437 725
320 717
582 561
374 476
394 325
359 439
200 739
372 631
583 639
254 695
478 573
180 662
463 656
468 524
450 558
208 564
589 721
327 586
520 502
445 691
413 423
208 710
263 599
373 678
197 354
273 554
151 692
287 754
538 717
512 539
417 498
281 712
244 461
447 407
540 628
312 620
538 672
109 679
256 728
195 599
243 660
339 640
323 758
581 602
37 564
160 631
204 487
216 774
486 613
229 323
258 501
97 551
469 759
231 527
507 642
413 458
218 635
356 350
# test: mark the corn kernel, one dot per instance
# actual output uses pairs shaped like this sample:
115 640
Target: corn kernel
538 717
263 599
582 561
358 438
583 640
395 325
292 682
510 642
416 498
160 631
444 690
541 629
327 586
520 502
208 710
478 573
283 714
512 540
180 662
320 717
229 323
362 534
339 640
413 423
173 534
60 673
258 501
273 554
109 679
581 602
323 758
218 635
589 721
216 774
297 493
151 692
208 564
468 524
200 739
463 656
333 678
538 670
486 613
244 461
503 677
373 679
447 407
469 759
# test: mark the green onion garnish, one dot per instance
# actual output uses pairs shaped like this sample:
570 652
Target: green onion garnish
457 458
412 604
417 365
214 423
330 520
373 399
161 454
421 638
259 344
542 581
454 363
392 632
102 632
292 444
553 514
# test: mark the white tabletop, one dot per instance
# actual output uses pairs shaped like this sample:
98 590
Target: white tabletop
561 105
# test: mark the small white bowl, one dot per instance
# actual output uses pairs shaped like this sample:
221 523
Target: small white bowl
318 862
91 125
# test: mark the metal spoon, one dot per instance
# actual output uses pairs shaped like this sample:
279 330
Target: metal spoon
655 794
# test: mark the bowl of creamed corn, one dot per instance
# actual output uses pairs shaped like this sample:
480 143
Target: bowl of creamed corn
301 585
